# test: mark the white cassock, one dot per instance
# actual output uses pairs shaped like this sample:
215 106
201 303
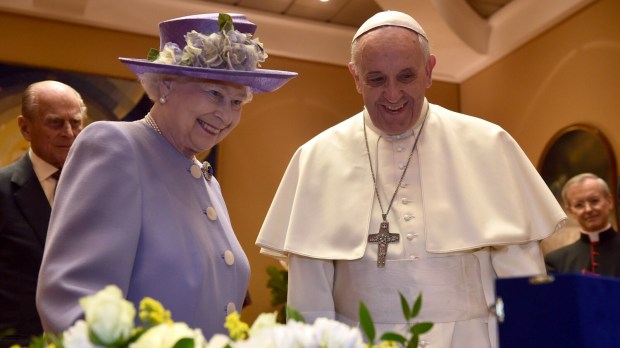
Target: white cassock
470 208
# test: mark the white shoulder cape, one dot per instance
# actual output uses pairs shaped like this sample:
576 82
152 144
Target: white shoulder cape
478 189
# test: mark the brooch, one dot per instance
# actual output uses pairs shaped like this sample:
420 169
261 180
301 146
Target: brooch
207 170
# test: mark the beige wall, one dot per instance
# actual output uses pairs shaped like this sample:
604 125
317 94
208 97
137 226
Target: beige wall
568 75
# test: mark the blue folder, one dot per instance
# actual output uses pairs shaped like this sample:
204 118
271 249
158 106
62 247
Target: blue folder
565 310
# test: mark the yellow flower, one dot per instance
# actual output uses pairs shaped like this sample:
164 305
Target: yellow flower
237 329
152 312
386 344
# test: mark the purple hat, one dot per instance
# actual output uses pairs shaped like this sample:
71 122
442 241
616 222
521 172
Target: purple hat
211 46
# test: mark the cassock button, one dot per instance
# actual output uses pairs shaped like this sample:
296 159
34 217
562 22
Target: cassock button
408 217
410 236
211 213
413 257
403 184
424 344
401 166
405 200
229 258
230 308
399 148
195 171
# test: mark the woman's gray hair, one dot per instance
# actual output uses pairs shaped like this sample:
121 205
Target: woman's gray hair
150 83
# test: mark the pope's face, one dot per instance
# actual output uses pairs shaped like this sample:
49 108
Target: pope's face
589 204
392 74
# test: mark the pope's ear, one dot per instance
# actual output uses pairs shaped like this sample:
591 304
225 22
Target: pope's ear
430 64
356 77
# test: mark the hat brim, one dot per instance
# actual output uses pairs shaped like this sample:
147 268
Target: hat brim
259 80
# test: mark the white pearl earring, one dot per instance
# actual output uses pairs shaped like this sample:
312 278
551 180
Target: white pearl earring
162 100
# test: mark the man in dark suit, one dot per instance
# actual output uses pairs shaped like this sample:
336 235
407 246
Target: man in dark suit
588 199
52 116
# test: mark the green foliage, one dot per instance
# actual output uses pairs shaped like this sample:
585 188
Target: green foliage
45 341
225 22
409 313
368 326
278 284
184 343
293 314
152 55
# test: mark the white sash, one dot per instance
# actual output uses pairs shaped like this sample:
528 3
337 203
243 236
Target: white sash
451 288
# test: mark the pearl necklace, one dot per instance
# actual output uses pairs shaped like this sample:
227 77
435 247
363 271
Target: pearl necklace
205 169
151 122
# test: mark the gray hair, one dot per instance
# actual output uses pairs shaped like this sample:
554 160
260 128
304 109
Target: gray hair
150 83
580 178
422 41
30 98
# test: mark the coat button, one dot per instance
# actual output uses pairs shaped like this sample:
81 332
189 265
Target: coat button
230 308
211 213
195 171
408 217
229 258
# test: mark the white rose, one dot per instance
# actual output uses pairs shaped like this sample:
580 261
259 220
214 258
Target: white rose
77 336
294 334
108 315
262 339
167 335
334 334
264 321
219 341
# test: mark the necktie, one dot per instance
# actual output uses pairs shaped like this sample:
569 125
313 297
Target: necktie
56 175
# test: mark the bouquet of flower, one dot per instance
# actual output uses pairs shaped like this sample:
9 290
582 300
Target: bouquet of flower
109 323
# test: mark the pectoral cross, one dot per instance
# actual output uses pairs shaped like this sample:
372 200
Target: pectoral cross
383 238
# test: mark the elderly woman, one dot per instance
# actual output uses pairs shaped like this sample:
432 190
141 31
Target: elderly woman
135 208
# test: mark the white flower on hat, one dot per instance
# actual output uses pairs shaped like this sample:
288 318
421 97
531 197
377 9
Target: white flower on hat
226 49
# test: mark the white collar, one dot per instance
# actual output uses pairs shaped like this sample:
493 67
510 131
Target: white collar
594 235
42 169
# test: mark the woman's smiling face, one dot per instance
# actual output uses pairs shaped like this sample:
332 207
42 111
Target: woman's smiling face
202 113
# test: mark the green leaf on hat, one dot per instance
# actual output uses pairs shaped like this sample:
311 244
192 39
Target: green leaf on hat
152 55
225 22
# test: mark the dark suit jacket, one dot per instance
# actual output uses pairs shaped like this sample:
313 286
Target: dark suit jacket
576 257
24 216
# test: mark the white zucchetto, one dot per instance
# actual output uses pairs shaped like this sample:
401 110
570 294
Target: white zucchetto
390 18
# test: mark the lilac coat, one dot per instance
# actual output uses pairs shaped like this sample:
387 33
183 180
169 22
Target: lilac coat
128 212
